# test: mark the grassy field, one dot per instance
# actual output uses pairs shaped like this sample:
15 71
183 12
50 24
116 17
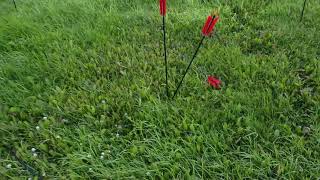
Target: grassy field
82 91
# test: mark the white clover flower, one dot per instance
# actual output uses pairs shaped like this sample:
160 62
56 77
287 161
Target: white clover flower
102 154
8 166
117 134
45 118
90 169
306 130
109 151
37 127
101 157
33 149
30 178
103 101
35 154
44 174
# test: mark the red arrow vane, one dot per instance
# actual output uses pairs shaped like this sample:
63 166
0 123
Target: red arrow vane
163 7
209 25
214 82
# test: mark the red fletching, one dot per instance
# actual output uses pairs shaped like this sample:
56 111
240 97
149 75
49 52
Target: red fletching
214 82
163 7
206 25
212 25
209 25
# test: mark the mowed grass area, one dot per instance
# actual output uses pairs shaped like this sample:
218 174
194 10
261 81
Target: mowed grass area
83 79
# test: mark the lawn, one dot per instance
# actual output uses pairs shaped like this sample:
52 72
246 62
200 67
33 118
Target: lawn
82 90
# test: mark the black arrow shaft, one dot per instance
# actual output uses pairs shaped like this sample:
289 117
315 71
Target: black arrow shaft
165 52
186 71
302 12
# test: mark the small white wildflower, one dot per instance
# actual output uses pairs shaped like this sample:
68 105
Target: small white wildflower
45 118
117 134
8 166
35 154
102 154
44 174
58 137
33 149
306 130
30 178
109 151
90 169
101 157
37 127
103 101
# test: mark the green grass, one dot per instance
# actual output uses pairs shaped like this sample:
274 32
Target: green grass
95 70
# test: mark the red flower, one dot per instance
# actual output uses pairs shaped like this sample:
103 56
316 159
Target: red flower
163 7
209 25
214 82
